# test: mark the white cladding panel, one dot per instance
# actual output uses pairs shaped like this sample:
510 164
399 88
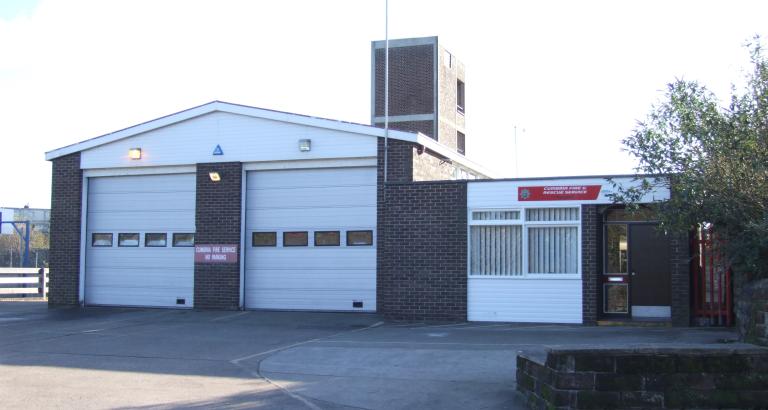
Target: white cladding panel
140 276
242 138
503 194
310 277
524 300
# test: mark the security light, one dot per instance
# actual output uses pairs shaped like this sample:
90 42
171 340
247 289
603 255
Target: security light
305 145
134 153
215 177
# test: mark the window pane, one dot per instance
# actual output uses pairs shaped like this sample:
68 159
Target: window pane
183 239
359 238
327 238
295 238
496 250
155 239
553 250
616 249
552 214
495 215
128 239
264 239
616 300
101 239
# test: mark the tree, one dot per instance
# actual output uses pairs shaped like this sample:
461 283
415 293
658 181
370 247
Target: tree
715 161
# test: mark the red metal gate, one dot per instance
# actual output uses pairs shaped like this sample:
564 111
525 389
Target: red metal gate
712 291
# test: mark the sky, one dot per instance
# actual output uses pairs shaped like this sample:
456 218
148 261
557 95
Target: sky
573 77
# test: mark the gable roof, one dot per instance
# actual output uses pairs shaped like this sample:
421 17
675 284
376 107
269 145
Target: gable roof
221 106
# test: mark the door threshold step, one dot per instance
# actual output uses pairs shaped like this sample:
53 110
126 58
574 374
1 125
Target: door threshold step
635 323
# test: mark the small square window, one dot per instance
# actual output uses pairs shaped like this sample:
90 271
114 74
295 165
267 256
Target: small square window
153 240
359 238
461 143
327 238
128 239
295 238
183 239
460 96
101 239
264 239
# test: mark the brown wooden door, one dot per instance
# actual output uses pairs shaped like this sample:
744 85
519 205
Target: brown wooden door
649 259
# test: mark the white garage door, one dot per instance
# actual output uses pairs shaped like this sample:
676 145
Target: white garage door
140 232
310 238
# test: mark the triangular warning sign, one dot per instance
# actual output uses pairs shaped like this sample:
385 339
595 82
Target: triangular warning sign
218 150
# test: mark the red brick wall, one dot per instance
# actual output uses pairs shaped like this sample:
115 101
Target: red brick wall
66 207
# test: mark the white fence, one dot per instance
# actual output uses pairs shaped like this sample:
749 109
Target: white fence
23 282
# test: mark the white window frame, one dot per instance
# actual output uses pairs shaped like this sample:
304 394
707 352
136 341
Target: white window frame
524 226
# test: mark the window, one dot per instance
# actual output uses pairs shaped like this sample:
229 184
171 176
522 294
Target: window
496 250
327 238
461 143
101 239
183 239
359 238
460 96
616 249
264 239
545 242
155 240
295 238
128 239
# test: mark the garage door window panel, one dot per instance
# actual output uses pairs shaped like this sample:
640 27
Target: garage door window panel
101 240
359 238
327 238
264 239
128 239
155 240
183 240
295 239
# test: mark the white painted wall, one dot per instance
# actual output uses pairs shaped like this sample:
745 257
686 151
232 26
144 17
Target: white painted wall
524 300
140 276
310 278
242 138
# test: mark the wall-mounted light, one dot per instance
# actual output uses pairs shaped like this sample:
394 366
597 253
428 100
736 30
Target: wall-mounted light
305 145
215 177
134 153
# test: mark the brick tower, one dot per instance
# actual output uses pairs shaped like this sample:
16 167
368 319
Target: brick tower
426 90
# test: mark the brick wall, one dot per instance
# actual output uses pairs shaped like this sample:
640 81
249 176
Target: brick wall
411 80
590 256
422 251
66 207
217 221
449 119
681 279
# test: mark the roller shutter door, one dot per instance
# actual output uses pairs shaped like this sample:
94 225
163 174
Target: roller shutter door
331 203
127 270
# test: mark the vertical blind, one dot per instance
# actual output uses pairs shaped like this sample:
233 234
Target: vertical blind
552 214
496 250
553 250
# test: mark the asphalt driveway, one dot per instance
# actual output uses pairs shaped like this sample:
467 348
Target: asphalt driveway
134 358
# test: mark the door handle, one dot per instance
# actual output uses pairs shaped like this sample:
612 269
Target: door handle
633 273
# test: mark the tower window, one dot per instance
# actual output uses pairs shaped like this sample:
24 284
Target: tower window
460 96
461 143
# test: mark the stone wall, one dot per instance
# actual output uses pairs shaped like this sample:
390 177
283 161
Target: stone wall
752 309
645 378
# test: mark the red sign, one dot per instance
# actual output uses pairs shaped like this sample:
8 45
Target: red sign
216 253
558 192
